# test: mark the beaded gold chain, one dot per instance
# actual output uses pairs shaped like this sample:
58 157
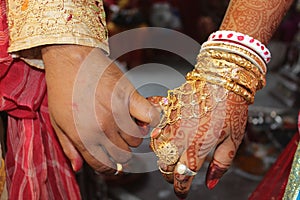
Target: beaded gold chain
190 101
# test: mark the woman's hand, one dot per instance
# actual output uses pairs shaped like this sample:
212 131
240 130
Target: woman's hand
199 117
91 106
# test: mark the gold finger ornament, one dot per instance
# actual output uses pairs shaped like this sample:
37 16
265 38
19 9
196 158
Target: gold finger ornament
164 172
194 99
166 151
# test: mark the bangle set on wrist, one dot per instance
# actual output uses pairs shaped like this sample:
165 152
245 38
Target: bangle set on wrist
227 62
234 61
243 40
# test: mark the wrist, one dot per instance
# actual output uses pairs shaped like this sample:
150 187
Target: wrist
236 64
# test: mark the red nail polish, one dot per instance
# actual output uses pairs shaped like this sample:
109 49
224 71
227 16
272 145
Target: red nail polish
77 164
212 183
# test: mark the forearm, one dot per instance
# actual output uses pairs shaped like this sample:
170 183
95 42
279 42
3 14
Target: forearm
257 18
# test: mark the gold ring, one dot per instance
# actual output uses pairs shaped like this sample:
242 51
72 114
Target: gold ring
164 172
167 153
119 169
184 170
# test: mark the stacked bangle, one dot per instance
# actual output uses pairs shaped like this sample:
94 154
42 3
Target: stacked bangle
231 86
243 39
237 49
230 72
234 61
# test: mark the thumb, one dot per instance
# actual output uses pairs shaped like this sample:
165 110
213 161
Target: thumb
141 109
222 159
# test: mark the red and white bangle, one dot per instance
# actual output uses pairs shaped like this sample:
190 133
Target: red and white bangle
244 40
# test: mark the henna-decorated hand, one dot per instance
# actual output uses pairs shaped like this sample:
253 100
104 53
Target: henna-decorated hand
198 117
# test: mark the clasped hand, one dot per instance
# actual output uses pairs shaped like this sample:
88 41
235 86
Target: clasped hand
92 106
198 117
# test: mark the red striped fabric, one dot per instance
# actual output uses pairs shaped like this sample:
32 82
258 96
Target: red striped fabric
35 163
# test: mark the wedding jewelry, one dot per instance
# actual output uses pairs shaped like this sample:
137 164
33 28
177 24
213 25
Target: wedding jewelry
164 172
182 103
119 168
200 93
230 72
228 47
243 39
184 170
167 153
227 62
219 81
233 59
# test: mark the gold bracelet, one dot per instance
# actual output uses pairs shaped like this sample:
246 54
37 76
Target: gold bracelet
231 86
230 57
239 50
229 71
233 58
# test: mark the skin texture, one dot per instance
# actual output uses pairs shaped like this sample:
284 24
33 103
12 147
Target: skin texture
105 141
221 130
257 18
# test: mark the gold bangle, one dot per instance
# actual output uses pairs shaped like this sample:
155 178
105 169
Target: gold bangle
233 58
231 86
229 71
239 50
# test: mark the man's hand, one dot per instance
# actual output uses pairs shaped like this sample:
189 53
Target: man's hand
92 106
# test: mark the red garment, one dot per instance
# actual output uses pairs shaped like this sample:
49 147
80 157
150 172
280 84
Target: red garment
35 163
273 184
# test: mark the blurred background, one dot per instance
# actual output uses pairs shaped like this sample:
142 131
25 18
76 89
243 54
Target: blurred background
272 118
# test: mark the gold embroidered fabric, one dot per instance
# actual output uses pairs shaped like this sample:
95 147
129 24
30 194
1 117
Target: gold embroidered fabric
33 23
2 177
292 191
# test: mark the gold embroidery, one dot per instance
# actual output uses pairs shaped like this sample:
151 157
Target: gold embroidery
24 5
293 186
36 23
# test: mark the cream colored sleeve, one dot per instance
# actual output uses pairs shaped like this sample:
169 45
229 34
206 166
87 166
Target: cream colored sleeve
34 23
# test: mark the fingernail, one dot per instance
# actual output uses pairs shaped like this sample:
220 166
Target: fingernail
212 183
76 164
140 123
154 116
214 174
